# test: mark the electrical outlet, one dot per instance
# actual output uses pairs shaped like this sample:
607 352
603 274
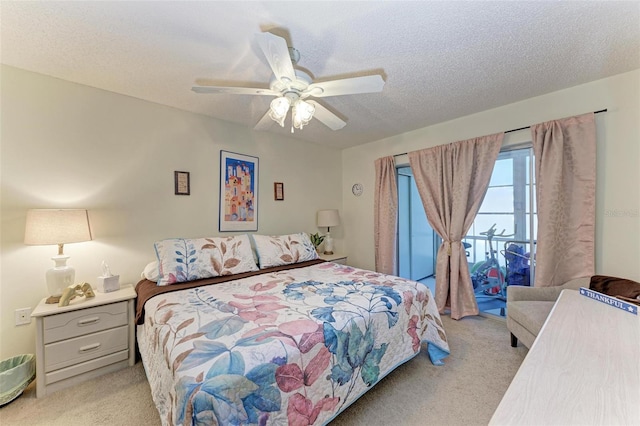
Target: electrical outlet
23 316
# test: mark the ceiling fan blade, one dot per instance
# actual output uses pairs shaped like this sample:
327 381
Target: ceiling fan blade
264 123
347 86
277 53
234 90
326 117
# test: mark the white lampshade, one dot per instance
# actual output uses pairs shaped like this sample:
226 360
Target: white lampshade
278 109
51 226
57 227
328 218
302 113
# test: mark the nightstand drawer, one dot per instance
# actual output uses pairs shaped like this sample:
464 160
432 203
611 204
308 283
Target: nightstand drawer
84 348
84 321
85 367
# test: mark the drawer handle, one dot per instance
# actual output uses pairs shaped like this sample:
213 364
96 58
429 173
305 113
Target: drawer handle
88 321
90 347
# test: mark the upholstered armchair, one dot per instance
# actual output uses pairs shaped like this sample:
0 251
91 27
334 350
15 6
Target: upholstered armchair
529 307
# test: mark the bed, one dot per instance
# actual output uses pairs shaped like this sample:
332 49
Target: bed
287 344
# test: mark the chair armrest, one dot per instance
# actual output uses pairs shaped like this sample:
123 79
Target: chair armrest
544 294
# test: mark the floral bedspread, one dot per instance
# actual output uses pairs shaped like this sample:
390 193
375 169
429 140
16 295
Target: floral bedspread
292 347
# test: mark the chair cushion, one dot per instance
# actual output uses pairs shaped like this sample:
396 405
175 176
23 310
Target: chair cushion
530 314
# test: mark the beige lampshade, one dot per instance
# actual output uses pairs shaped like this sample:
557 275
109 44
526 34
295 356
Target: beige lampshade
50 227
328 218
53 226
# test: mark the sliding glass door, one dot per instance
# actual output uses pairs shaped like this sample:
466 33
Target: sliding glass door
501 241
416 239
500 244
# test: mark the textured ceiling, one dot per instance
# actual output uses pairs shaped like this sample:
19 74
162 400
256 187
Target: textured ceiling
440 60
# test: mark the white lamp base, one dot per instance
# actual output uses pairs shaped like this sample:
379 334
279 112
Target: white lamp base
60 276
328 244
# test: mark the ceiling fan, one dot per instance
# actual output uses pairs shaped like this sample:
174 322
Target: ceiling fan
292 88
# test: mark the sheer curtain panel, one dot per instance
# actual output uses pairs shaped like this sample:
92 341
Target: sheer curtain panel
452 181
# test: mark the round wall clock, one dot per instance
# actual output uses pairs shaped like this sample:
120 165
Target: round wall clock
357 189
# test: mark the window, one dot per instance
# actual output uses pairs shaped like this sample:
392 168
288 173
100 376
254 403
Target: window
509 203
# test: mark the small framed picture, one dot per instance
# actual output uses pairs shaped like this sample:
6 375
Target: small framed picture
278 191
181 180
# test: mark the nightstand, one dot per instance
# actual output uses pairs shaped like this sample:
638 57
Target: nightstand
335 258
83 340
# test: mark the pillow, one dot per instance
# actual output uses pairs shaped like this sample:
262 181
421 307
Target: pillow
254 252
284 249
182 259
151 272
617 287
230 255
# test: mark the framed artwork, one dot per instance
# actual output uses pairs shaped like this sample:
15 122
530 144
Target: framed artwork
238 192
278 191
181 182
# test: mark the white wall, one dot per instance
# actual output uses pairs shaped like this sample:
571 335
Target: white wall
66 145
618 164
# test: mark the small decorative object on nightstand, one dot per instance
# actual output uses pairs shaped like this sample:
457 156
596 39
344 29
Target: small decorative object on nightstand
316 240
335 258
83 340
107 281
71 292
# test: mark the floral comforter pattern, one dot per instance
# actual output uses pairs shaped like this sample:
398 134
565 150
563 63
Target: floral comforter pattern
292 347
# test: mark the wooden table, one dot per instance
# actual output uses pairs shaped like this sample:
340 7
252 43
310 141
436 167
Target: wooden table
582 369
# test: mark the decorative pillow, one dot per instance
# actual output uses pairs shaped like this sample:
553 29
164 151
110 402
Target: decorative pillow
151 271
617 287
182 259
284 249
254 252
230 255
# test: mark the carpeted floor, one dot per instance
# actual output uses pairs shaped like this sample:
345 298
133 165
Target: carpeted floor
465 391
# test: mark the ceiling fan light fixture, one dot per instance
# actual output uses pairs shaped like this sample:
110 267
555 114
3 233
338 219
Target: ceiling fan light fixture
302 113
290 86
278 109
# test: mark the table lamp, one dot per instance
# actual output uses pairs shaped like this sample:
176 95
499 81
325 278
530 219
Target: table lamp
50 227
328 218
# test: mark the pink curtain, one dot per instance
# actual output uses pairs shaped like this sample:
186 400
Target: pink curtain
565 156
452 180
385 215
